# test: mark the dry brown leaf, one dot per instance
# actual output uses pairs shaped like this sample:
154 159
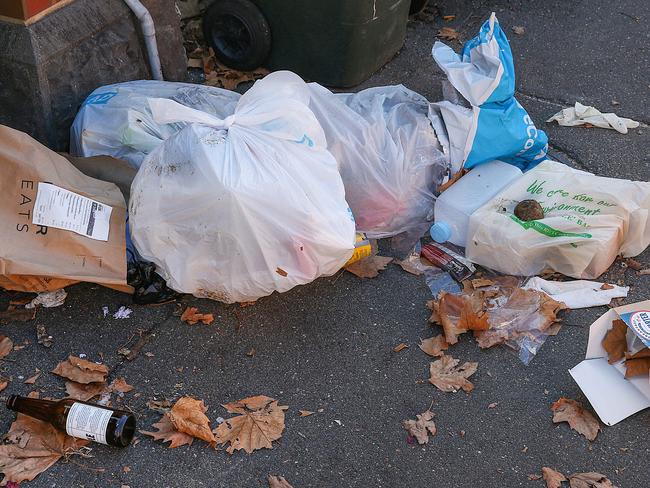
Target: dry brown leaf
162 406
481 282
643 353
305 413
633 264
251 352
278 482
6 346
188 416
607 286
553 478
579 419
534 477
13 314
194 63
369 267
434 346
422 427
615 342
448 33
82 392
518 29
261 422
400 347
459 313
637 367
448 18
43 337
168 433
230 79
409 267
81 371
454 178
590 480
644 272
120 385
3 384
446 375
192 316
31 446
32 379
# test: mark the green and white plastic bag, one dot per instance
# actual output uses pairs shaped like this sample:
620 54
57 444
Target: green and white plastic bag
588 221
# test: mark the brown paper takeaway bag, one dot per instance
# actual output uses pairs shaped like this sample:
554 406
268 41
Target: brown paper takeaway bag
37 258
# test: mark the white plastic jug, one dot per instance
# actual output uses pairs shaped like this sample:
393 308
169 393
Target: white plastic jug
454 206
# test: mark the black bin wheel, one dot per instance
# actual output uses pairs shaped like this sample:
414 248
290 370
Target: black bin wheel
238 32
418 6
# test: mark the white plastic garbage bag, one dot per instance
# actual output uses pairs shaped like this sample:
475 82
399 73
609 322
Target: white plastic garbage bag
389 156
496 126
234 209
588 220
115 120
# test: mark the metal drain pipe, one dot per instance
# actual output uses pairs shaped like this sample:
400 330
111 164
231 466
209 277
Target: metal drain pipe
149 32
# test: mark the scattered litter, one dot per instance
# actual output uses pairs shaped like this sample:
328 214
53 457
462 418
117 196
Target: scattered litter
588 221
421 427
105 311
579 293
400 347
614 391
581 114
49 299
499 313
579 419
43 337
122 313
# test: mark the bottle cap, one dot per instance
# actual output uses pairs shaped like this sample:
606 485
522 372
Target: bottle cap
440 232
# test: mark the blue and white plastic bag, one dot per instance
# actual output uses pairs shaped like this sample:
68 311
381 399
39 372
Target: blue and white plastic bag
496 126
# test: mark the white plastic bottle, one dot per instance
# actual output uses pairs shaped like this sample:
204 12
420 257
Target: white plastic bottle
454 206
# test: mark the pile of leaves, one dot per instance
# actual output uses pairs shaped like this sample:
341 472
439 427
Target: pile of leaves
554 479
219 75
615 343
259 422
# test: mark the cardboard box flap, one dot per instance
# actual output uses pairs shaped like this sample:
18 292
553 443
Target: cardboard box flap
613 397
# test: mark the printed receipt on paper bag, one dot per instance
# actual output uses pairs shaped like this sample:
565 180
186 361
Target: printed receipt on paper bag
63 209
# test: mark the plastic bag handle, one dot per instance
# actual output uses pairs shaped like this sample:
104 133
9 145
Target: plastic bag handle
165 111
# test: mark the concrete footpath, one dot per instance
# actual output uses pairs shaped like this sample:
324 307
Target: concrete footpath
329 345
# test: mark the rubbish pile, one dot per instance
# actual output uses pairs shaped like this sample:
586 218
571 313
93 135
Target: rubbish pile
234 197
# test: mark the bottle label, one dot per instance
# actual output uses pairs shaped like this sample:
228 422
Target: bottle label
88 422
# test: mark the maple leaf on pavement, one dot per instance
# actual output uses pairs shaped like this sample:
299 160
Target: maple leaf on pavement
120 385
192 316
446 375
590 480
261 421
434 346
188 416
422 427
553 478
278 482
579 419
615 341
368 267
82 392
168 433
81 371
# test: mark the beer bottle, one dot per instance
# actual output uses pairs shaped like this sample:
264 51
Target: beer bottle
79 419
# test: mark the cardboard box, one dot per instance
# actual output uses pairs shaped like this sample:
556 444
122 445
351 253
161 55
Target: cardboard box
613 397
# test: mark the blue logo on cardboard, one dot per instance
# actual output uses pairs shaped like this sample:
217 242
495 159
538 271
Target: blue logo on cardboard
639 322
